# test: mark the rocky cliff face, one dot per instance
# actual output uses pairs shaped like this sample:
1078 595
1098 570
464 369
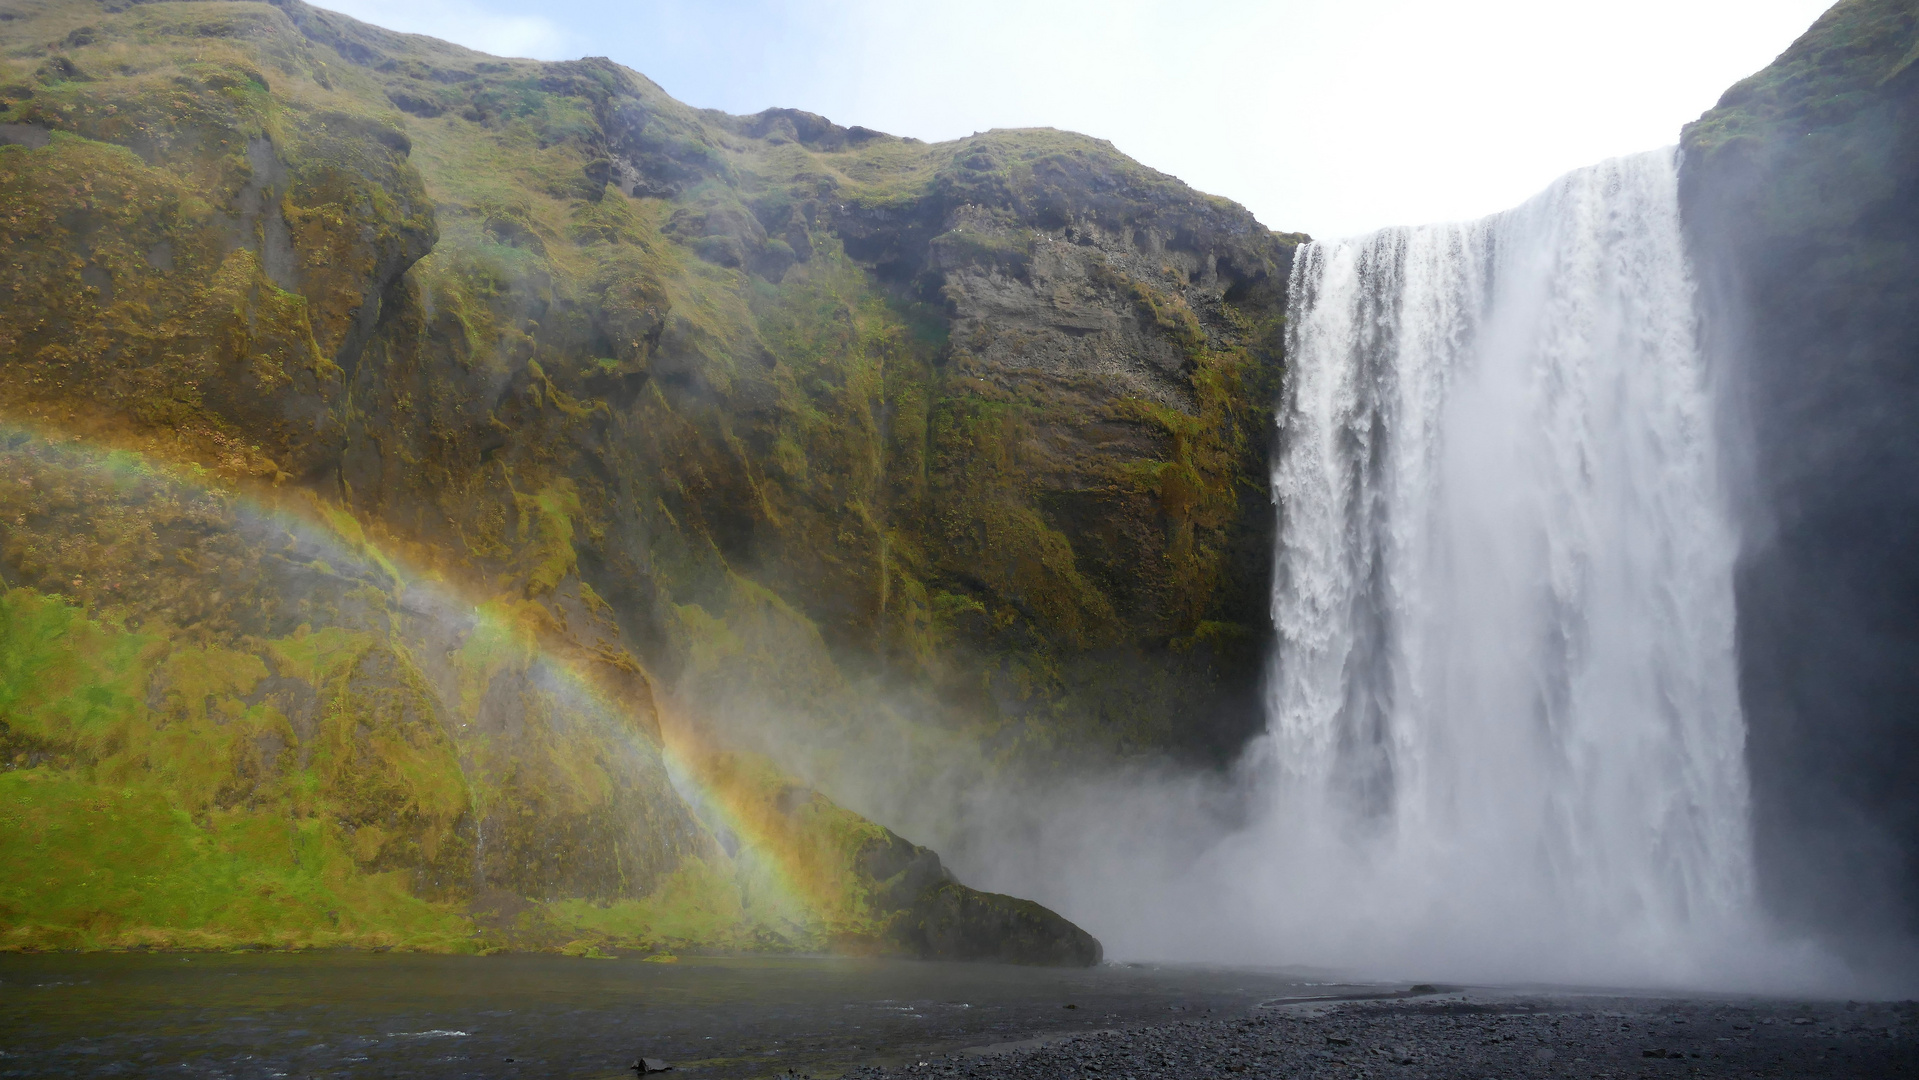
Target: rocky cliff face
1801 196
465 461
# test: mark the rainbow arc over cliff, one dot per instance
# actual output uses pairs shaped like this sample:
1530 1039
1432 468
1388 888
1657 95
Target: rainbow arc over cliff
725 792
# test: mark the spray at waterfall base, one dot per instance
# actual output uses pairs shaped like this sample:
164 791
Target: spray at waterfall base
1505 737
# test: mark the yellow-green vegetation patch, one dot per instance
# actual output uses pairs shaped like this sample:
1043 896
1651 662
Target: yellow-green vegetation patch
708 905
122 825
93 866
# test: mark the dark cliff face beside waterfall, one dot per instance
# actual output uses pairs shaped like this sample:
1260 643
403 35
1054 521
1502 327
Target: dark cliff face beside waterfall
1801 199
782 435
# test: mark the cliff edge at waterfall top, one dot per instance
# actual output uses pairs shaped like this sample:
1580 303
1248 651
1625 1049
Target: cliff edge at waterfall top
459 503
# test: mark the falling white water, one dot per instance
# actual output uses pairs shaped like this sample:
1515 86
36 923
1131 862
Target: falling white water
1505 732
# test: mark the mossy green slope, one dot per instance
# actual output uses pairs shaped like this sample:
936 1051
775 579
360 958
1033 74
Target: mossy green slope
224 726
190 762
829 439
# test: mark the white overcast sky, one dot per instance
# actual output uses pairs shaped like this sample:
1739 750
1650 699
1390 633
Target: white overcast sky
1327 116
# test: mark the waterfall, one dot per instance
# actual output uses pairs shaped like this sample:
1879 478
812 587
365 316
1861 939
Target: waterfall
1503 715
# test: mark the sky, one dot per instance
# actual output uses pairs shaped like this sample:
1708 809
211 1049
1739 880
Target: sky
1331 117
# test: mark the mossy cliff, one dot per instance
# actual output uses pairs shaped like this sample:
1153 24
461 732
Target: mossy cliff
1800 193
226 724
455 433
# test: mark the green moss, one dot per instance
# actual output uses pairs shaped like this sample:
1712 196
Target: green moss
120 866
699 388
68 685
387 772
548 516
707 905
990 525
131 827
1833 69
148 158
319 656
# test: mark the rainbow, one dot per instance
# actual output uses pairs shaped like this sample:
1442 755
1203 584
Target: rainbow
706 777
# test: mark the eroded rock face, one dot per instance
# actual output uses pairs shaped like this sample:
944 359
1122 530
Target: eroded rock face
842 446
990 417
1801 198
1097 459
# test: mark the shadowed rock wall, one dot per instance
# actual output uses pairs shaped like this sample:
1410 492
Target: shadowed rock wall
1801 197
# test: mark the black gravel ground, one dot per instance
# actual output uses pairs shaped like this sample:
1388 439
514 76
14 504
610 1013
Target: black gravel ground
1453 1035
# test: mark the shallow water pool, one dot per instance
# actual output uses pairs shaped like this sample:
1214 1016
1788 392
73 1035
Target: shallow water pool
358 1014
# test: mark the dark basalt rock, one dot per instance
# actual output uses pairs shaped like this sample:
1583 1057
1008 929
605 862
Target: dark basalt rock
1800 193
952 922
940 919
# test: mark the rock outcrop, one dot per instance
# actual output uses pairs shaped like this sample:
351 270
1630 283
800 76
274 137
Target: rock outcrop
467 464
1801 198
